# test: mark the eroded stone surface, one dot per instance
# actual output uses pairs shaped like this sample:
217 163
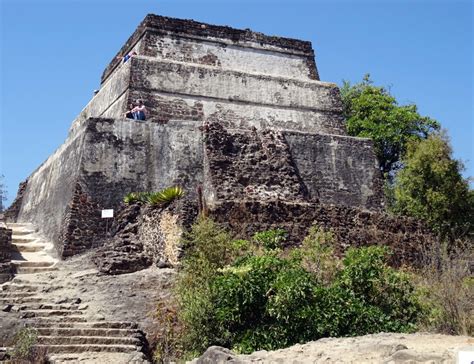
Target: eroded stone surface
371 349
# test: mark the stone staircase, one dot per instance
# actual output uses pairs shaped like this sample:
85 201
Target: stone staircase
66 328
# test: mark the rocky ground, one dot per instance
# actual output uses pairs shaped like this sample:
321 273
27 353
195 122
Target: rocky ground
77 309
80 314
386 348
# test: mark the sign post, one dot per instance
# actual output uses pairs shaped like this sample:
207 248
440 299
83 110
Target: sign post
107 214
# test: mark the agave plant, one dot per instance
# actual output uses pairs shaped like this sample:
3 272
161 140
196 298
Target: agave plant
131 197
164 197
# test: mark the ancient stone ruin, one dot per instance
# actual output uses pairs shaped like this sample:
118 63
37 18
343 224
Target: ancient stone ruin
239 116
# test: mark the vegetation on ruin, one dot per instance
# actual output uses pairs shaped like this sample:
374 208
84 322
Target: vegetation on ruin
24 349
249 295
373 112
160 198
446 287
430 187
423 180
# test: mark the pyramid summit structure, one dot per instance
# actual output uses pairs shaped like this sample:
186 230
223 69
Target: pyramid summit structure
237 118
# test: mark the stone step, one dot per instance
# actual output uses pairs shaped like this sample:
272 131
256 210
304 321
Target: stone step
54 306
23 239
49 313
54 321
52 349
20 301
16 294
20 225
85 331
26 280
29 248
34 306
20 287
49 323
31 270
22 232
34 264
91 340
94 358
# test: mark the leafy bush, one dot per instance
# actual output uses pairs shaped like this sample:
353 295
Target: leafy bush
134 197
208 249
270 239
260 298
317 255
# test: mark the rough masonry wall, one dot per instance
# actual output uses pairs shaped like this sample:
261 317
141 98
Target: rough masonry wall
82 227
11 214
121 156
338 170
290 166
352 227
6 271
226 54
189 29
177 91
249 165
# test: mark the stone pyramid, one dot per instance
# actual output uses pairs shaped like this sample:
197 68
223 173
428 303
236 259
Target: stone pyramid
239 119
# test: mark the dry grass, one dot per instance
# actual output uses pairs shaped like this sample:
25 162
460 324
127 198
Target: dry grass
448 284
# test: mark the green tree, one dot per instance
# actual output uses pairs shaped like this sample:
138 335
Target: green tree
431 187
372 112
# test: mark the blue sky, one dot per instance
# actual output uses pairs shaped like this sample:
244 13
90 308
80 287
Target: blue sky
53 53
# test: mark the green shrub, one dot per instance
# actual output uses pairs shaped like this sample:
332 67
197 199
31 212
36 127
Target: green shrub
270 239
208 249
246 297
317 255
388 300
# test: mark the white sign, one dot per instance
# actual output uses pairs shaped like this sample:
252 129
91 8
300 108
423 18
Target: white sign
466 355
107 214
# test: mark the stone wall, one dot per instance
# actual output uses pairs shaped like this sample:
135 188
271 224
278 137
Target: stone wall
164 107
11 214
193 80
336 169
6 269
82 227
213 41
290 166
249 165
169 88
99 163
143 235
352 227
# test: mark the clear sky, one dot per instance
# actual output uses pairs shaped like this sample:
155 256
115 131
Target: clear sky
54 51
